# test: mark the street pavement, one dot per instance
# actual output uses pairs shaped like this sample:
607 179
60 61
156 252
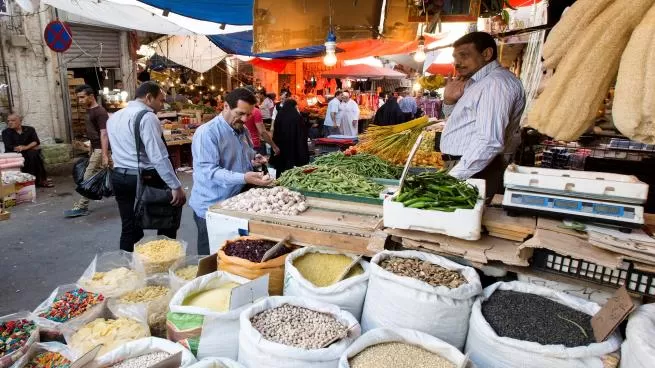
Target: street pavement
40 249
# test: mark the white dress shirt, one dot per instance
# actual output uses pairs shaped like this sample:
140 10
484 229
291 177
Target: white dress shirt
484 119
120 129
267 108
333 107
348 112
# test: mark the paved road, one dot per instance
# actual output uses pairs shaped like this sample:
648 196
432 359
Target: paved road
41 249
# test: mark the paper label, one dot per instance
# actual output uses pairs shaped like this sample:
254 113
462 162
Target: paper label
610 316
249 292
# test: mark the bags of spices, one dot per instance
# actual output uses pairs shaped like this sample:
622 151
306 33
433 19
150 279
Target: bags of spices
638 349
111 274
242 256
17 334
68 306
142 347
46 355
111 333
199 317
400 297
217 363
294 325
183 271
156 254
543 315
348 294
400 347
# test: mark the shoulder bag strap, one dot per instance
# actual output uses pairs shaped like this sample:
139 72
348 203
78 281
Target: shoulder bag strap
137 141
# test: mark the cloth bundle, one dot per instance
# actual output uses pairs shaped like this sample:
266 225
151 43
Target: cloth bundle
11 161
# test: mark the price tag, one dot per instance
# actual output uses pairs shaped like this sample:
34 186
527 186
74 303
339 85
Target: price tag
249 292
610 316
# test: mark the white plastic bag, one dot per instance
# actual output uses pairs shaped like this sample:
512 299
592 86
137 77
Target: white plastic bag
105 262
176 281
255 351
9 359
217 363
52 330
348 294
489 350
40 347
411 337
396 301
144 346
638 349
205 332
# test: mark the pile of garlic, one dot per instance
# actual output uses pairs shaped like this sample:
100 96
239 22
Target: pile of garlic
277 200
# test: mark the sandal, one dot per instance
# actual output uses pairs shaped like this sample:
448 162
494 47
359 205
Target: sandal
47 184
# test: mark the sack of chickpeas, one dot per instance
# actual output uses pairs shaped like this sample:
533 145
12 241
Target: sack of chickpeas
420 291
400 347
144 352
312 273
217 363
285 332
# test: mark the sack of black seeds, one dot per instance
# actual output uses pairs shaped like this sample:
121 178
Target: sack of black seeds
520 325
394 300
638 350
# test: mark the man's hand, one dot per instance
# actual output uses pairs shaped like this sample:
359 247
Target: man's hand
179 197
259 160
276 150
258 178
19 149
105 160
454 90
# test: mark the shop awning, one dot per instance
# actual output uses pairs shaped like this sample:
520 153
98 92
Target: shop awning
363 71
276 65
237 12
240 43
194 52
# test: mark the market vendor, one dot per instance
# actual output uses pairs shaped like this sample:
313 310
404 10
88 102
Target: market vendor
24 140
483 106
223 160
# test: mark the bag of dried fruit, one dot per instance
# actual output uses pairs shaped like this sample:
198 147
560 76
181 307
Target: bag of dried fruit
488 349
217 363
112 274
68 306
400 347
638 350
348 294
145 346
420 291
183 271
242 256
110 333
269 338
156 254
17 334
46 354
199 317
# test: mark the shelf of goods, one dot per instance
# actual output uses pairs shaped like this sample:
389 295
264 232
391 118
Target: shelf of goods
78 112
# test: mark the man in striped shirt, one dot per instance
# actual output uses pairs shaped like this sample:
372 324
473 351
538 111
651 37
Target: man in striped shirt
484 106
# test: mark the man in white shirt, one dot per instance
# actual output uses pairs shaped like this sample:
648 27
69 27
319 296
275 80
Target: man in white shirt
331 123
267 106
350 116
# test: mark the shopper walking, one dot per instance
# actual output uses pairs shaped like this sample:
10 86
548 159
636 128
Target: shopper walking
156 168
389 113
290 134
96 131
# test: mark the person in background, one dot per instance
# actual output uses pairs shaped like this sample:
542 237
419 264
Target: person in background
258 133
156 168
96 131
389 113
290 134
118 84
431 105
285 88
408 106
349 115
382 96
267 106
283 97
223 160
24 140
331 123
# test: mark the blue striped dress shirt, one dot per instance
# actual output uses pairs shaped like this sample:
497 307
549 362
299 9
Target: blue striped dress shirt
485 118
221 157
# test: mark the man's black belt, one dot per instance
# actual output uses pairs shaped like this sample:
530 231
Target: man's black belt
123 171
447 157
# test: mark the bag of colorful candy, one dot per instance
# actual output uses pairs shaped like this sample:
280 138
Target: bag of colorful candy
46 355
17 334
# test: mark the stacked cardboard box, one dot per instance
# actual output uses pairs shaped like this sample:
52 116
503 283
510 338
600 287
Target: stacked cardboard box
78 113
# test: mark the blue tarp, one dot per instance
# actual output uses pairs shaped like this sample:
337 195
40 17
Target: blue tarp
240 43
235 12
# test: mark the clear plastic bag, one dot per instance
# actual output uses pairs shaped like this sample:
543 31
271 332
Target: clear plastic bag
87 337
176 281
141 347
42 347
6 361
120 275
151 266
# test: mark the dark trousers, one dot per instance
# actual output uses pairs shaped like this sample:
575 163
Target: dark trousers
493 174
203 236
125 193
34 165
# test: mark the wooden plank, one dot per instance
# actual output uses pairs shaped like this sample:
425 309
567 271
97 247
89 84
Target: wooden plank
305 237
497 218
499 230
508 237
344 206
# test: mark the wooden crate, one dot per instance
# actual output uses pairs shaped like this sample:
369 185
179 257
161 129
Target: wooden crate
76 82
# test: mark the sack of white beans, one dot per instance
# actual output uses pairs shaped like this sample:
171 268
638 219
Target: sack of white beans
638 350
348 294
142 347
396 301
217 363
400 347
271 337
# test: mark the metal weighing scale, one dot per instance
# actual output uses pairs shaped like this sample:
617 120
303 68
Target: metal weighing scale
586 196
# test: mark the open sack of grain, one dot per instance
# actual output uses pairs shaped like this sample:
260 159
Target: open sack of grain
638 349
144 352
437 303
529 326
183 271
217 363
311 273
272 337
156 254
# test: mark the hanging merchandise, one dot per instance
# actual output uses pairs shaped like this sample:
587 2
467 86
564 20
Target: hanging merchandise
58 36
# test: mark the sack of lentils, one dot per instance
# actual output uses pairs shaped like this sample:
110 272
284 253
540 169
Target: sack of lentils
144 352
284 331
400 347
420 291
17 334
243 257
312 273
520 325
217 363
156 254
183 271
111 274
200 318
638 349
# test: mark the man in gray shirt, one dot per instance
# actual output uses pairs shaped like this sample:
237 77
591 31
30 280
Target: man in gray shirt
155 164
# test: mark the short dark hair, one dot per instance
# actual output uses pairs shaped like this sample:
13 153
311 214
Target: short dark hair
271 95
240 94
338 93
481 40
88 90
285 94
117 81
148 87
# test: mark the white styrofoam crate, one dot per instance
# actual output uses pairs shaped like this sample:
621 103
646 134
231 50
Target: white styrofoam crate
572 181
463 224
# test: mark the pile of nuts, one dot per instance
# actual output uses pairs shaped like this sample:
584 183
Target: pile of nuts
278 200
424 271
252 249
143 361
297 326
398 354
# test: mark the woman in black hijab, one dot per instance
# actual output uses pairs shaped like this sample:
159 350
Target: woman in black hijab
389 113
290 135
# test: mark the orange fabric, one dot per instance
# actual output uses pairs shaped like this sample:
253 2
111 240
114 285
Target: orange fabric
381 47
443 69
276 65
518 3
